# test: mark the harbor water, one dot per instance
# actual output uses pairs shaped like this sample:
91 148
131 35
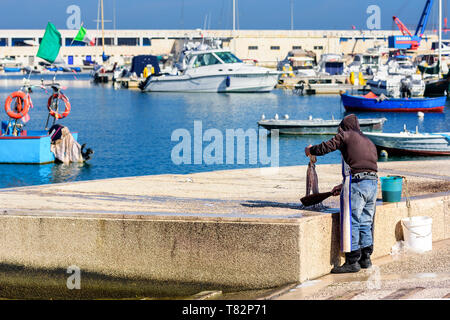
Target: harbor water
131 131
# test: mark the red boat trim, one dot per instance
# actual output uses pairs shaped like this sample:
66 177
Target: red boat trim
21 137
432 109
26 137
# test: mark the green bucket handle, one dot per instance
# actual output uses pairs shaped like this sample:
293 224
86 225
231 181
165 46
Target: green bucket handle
408 202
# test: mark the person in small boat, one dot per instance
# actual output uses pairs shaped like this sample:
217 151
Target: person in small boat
358 191
65 148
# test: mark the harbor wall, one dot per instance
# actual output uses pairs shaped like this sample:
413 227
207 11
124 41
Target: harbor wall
236 252
265 46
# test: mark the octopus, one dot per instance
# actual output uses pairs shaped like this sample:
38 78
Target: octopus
312 181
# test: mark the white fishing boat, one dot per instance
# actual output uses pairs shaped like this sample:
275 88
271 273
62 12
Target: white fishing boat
412 143
316 125
398 78
396 86
211 69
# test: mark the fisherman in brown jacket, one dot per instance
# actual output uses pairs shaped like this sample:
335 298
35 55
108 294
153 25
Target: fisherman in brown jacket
358 191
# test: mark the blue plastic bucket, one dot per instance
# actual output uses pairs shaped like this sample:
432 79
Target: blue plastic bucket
391 188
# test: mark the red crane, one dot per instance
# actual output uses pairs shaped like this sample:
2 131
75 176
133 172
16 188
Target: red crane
414 43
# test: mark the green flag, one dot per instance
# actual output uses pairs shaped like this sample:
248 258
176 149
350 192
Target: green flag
50 44
81 34
82 37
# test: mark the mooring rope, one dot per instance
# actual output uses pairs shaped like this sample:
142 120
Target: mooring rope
408 201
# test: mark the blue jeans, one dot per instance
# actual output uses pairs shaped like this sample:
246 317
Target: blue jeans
363 201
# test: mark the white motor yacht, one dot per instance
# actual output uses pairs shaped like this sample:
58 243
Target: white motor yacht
207 69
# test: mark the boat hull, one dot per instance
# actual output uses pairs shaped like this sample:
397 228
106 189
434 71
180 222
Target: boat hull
32 148
320 127
215 83
412 144
354 103
435 88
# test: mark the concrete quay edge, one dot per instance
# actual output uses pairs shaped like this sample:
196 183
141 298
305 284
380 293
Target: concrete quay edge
242 253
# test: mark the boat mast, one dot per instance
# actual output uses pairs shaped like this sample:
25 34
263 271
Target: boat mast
440 37
103 29
292 14
234 15
98 20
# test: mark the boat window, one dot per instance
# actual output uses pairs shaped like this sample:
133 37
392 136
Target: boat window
228 57
370 59
205 60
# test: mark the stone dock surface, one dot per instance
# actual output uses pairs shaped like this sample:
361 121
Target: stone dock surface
231 230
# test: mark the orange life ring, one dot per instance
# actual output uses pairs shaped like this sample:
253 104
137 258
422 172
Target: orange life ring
22 105
54 113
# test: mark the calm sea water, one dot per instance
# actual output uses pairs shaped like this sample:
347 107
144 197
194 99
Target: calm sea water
130 131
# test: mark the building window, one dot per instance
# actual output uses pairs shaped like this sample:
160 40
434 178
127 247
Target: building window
296 47
20 42
146 42
252 47
318 47
274 47
3 42
108 41
127 41
71 43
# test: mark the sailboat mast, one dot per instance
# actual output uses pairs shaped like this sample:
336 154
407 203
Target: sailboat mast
103 29
292 14
98 20
440 36
234 15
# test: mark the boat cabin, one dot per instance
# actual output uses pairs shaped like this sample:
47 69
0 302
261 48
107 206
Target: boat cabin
332 64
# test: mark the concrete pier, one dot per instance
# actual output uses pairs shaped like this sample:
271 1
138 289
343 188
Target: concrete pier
232 230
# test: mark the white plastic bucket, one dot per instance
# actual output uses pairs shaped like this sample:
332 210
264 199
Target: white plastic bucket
417 233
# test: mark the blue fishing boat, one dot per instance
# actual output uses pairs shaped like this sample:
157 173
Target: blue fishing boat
29 147
21 146
371 102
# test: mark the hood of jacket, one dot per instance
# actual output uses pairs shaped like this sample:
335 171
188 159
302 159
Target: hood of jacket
350 122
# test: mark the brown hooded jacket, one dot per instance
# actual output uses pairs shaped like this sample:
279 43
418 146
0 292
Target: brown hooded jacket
357 150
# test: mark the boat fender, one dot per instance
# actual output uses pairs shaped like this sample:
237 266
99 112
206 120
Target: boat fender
228 81
145 72
21 107
54 113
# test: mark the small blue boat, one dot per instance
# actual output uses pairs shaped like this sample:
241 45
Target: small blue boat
33 149
9 69
30 147
21 146
371 102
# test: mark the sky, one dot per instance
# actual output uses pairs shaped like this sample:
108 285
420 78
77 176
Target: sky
214 14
